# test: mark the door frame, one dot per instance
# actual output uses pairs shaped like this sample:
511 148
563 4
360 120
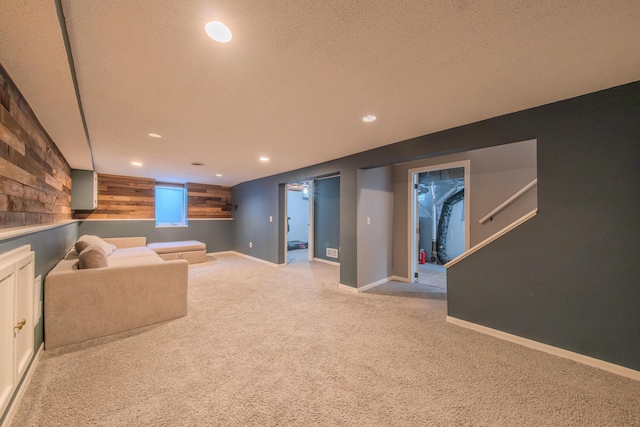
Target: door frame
412 217
310 230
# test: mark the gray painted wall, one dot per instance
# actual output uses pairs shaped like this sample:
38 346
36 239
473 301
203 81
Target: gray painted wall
251 220
49 246
326 217
552 287
216 234
496 174
375 201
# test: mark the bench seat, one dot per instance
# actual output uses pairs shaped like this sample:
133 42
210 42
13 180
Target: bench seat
191 250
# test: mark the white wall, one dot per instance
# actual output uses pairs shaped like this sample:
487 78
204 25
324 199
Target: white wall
298 210
375 202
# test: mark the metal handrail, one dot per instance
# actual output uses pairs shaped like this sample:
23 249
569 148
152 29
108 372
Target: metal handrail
507 202
490 239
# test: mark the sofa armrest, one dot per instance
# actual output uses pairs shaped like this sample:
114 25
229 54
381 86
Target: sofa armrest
126 242
85 304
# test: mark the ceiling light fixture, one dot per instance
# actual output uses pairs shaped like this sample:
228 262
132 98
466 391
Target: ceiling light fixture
154 135
218 174
218 31
264 159
136 163
368 119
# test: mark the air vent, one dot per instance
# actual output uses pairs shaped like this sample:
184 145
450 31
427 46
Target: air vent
332 253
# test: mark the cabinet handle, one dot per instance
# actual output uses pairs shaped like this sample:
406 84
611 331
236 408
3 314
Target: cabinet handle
20 324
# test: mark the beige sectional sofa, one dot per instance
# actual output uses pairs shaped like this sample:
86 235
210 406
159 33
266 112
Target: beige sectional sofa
85 298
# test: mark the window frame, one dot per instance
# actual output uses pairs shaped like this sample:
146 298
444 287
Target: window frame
184 204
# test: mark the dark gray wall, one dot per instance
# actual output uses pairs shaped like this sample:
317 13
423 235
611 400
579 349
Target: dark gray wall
216 234
543 281
326 217
49 246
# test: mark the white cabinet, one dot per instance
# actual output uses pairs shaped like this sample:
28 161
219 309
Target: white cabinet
84 190
17 270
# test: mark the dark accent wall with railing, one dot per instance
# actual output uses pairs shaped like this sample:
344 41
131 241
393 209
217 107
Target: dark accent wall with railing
568 277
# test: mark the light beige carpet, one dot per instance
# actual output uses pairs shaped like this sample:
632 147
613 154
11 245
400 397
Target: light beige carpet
270 346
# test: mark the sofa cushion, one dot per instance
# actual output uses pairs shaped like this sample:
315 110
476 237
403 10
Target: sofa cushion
184 246
136 261
141 251
88 239
92 256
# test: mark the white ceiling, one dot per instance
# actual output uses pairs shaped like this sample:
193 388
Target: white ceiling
298 76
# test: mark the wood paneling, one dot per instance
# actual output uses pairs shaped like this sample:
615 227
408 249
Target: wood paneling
35 178
122 197
208 201
125 197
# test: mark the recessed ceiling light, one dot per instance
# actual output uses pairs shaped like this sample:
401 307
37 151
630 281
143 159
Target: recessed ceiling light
136 163
218 174
218 31
368 119
154 135
197 163
264 159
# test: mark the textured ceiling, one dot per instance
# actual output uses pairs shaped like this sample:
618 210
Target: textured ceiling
298 76
33 53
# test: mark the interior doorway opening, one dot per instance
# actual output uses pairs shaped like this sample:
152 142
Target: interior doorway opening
440 219
298 229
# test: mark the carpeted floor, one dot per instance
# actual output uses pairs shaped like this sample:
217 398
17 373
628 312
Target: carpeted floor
270 346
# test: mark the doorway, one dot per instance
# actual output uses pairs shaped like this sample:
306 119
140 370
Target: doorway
299 234
439 221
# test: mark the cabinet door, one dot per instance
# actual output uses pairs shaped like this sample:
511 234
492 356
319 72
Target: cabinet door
84 189
7 286
24 314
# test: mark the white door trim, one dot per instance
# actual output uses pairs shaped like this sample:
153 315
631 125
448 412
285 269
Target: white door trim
412 255
310 229
310 240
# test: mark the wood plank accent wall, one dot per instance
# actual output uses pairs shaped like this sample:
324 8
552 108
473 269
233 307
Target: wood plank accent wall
35 178
126 197
208 201
123 197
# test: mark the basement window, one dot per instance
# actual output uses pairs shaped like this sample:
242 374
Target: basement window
171 205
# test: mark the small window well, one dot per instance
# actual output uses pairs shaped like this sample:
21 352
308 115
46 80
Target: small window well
171 205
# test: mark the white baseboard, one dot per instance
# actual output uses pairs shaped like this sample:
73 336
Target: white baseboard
348 288
13 407
221 253
556 351
365 287
400 279
267 262
337 264
374 284
260 260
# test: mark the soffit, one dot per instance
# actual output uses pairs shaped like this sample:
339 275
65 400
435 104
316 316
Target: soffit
298 76
33 53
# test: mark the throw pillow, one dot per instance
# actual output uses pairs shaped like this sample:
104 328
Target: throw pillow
88 239
92 256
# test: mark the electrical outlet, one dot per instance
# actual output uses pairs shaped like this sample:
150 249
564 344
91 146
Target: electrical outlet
250 244
270 218
368 220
